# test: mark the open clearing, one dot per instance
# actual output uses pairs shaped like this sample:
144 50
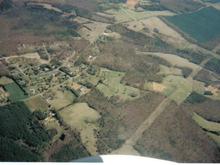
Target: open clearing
82 118
176 88
164 31
28 56
60 98
193 25
36 103
91 30
164 70
111 86
216 5
205 124
47 6
154 86
174 60
212 128
215 92
181 6
125 15
5 81
15 92
213 3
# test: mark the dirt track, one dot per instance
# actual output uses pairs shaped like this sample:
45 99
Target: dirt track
127 147
144 126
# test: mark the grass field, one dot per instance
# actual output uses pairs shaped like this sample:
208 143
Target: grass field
175 60
82 118
92 30
193 24
5 81
61 98
211 127
16 93
111 86
164 70
166 33
124 14
180 6
177 88
36 103
205 124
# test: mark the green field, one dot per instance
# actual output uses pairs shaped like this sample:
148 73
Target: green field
112 86
16 93
212 1
205 124
176 88
212 128
36 103
81 117
5 81
202 25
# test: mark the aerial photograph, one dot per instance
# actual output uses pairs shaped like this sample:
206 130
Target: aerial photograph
82 78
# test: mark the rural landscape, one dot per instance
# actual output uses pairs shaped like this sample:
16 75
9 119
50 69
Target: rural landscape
81 78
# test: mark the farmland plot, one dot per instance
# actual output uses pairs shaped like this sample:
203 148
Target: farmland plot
15 92
193 25
83 118
111 86
36 103
126 15
163 30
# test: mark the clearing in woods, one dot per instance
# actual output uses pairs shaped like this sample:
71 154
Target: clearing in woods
163 30
61 98
124 14
36 103
5 80
15 92
173 60
211 128
205 124
91 30
81 117
193 25
111 86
